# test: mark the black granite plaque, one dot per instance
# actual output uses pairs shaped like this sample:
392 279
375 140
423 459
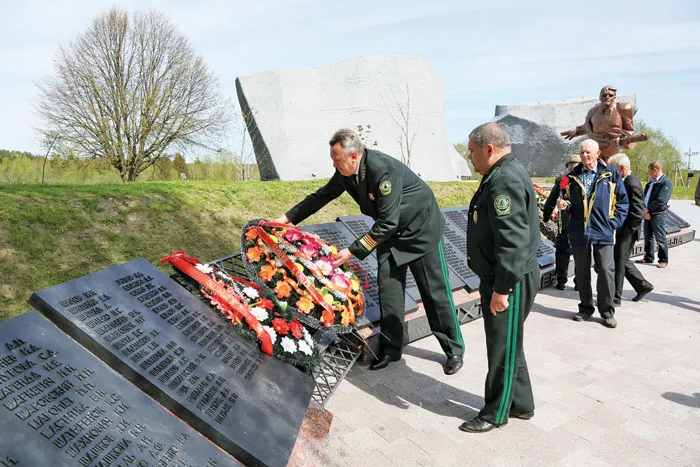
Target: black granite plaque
338 234
455 240
186 356
61 406
360 225
676 219
546 253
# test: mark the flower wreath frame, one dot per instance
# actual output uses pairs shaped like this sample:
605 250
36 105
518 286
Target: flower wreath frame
232 296
306 319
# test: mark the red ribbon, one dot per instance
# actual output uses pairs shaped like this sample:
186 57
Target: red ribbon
301 277
223 296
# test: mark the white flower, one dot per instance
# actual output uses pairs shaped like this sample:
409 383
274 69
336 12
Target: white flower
283 305
272 333
288 345
304 348
259 313
250 292
307 337
348 274
205 268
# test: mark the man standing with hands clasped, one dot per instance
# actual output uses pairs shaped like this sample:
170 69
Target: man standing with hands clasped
657 192
502 238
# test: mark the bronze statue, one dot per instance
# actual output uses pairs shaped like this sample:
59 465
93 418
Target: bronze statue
609 124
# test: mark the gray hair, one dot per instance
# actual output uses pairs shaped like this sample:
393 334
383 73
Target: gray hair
348 140
490 133
620 160
590 142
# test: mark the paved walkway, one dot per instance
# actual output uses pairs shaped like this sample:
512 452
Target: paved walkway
625 396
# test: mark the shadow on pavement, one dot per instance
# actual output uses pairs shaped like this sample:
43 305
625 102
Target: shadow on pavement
400 386
675 300
690 401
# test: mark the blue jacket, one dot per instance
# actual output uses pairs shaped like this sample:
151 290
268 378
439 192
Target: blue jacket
660 194
593 220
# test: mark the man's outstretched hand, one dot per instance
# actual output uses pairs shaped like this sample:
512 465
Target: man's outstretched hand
342 257
281 220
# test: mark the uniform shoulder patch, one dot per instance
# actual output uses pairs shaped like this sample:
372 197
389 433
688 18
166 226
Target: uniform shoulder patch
385 187
502 205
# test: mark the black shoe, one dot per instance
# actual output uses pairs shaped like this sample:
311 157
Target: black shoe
617 302
610 323
382 362
522 416
560 286
642 294
576 287
453 364
581 316
477 425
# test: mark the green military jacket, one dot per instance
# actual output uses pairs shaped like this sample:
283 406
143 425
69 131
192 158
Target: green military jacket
408 221
503 230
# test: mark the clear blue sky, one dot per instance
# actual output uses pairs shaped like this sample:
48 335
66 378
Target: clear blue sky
487 52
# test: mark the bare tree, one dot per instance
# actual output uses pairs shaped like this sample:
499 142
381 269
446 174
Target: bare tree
130 88
407 134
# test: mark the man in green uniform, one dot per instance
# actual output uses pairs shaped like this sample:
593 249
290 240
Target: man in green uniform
502 238
407 233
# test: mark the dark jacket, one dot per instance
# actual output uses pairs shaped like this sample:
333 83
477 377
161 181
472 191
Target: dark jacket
660 194
636 208
551 202
503 229
408 220
594 219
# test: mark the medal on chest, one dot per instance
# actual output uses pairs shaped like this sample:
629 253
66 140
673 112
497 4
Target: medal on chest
475 216
371 196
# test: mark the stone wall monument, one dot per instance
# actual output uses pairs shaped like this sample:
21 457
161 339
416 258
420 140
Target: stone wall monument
394 102
534 131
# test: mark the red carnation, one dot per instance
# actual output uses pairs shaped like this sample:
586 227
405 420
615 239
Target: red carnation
280 326
564 183
267 304
296 329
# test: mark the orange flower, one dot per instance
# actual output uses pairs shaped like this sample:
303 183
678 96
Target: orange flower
296 329
280 326
283 289
305 304
251 234
327 318
267 272
347 317
253 254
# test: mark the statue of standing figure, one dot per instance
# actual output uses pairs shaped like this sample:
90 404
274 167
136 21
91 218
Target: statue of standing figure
610 124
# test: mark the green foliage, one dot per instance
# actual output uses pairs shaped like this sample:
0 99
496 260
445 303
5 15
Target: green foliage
660 147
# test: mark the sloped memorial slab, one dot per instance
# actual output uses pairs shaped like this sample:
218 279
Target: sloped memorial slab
360 225
456 234
186 356
62 406
546 252
338 234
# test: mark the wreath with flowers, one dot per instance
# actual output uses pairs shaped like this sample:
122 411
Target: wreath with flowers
296 266
550 228
269 320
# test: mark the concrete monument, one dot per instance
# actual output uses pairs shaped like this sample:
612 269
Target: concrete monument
395 103
534 130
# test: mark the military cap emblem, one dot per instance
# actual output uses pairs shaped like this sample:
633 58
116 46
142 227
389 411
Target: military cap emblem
502 205
385 187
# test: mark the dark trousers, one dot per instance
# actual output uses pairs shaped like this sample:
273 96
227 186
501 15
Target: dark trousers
625 268
604 260
508 381
563 253
655 229
431 275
